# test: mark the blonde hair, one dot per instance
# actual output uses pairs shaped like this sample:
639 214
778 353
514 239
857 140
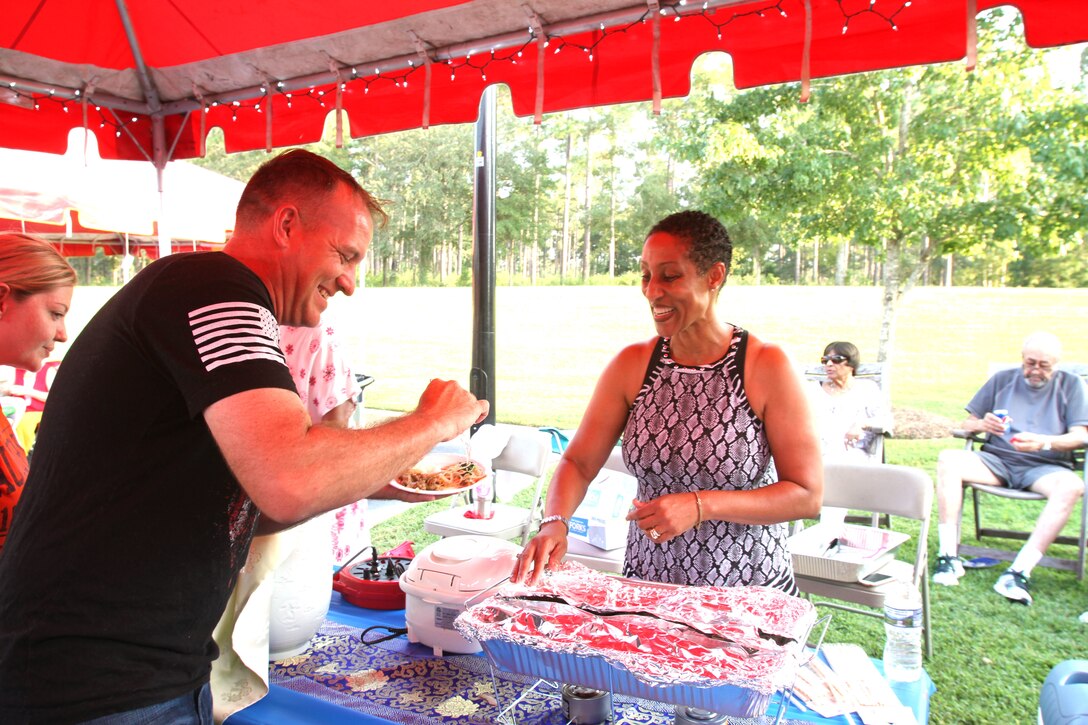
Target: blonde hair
29 265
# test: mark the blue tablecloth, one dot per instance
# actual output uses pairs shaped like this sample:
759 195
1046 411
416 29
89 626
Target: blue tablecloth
341 682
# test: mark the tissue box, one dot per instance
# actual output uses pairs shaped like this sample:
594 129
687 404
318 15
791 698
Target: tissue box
861 550
601 518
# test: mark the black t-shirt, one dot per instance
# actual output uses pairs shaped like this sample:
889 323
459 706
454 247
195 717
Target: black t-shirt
131 528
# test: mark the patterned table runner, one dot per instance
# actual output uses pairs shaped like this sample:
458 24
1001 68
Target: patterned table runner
405 683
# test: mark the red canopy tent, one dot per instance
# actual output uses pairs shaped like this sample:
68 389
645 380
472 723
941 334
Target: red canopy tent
86 203
149 78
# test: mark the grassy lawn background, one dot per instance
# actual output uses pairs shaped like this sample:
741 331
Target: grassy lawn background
552 342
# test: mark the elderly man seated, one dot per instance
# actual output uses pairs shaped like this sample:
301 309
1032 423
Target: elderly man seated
1043 417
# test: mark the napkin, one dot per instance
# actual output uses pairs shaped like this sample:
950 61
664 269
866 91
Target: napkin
484 446
240 674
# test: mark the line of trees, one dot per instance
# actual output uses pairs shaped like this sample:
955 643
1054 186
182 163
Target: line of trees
933 175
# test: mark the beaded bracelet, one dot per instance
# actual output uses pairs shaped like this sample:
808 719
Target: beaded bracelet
698 509
556 517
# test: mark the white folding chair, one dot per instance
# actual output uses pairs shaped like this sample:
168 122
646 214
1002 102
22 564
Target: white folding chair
885 489
526 454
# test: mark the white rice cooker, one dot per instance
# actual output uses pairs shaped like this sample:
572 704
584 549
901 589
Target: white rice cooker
443 577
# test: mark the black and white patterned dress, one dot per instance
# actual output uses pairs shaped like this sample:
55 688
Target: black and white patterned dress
693 429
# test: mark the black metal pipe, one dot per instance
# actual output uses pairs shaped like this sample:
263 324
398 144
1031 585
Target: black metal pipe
482 375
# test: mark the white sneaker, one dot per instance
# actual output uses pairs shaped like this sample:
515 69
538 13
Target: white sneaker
1083 618
1014 586
949 570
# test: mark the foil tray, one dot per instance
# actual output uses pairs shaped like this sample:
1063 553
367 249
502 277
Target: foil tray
868 549
597 673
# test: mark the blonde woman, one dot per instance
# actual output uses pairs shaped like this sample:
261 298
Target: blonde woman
35 293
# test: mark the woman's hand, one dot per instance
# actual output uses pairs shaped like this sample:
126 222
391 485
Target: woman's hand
666 517
542 553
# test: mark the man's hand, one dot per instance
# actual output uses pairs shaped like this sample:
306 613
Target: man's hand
452 407
1030 442
993 425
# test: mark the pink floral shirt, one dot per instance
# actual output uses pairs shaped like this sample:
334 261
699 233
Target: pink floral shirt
325 380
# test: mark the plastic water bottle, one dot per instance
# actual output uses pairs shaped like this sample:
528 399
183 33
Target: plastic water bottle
903 634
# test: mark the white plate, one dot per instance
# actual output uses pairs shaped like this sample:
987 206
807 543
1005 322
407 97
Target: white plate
435 461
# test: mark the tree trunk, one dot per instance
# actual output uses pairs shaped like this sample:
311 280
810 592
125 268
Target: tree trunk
842 262
925 254
535 241
612 213
564 244
892 291
460 249
587 258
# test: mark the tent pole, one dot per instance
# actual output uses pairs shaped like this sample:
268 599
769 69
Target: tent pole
160 167
482 375
155 113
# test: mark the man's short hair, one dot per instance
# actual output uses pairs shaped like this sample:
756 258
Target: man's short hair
304 178
1043 341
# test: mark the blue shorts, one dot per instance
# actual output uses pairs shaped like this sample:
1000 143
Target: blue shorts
1017 475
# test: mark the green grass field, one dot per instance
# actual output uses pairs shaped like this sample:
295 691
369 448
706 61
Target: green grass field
553 342
991 656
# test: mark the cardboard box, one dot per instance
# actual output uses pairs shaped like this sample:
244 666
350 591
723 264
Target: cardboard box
859 550
601 520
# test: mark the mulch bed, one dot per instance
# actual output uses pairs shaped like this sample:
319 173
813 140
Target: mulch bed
917 424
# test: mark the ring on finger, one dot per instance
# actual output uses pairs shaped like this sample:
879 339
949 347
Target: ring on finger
654 534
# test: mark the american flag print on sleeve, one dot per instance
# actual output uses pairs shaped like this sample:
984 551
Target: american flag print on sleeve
234 332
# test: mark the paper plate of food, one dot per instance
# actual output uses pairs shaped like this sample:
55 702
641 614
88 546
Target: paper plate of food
442 474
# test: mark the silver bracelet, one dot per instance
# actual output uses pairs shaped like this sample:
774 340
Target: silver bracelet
556 517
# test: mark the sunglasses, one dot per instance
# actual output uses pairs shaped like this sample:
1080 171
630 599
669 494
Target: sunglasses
837 359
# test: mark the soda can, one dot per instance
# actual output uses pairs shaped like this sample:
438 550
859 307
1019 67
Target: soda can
1003 416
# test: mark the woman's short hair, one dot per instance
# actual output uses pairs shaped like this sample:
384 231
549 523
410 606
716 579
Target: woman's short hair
29 265
708 238
304 177
848 350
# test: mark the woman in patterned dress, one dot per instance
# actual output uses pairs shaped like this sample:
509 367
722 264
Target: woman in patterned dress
36 286
715 426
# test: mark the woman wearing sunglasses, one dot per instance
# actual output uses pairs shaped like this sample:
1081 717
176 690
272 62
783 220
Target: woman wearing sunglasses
851 413
35 293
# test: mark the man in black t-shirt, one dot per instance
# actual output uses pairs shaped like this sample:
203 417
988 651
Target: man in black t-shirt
173 429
